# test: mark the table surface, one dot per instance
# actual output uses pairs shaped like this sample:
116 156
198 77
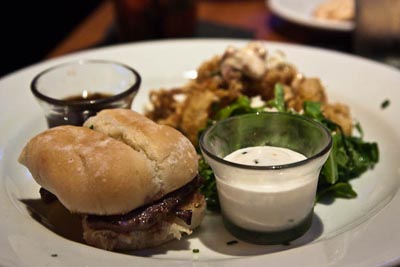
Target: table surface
249 16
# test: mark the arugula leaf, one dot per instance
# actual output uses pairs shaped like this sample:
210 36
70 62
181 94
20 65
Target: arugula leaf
241 106
342 190
350 156
279 101
209 187
330 169
359 129
313 110
362 156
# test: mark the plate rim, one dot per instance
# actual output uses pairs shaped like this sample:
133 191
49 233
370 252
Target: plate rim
278 9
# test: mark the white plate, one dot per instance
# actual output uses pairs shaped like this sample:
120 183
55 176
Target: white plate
300 12
362 231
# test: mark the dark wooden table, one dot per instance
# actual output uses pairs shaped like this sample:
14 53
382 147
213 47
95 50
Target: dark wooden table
246 16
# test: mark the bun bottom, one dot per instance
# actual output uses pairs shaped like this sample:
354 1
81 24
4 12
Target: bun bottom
162 232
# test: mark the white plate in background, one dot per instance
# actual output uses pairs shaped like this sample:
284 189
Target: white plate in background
359 232
300 12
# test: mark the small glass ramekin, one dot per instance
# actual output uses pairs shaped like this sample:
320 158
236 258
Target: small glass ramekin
70 93
267 204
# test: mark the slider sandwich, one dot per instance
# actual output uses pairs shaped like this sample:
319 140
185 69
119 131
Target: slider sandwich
134 182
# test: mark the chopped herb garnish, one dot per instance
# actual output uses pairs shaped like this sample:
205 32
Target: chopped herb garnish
385 103
195 250
232 242
91 127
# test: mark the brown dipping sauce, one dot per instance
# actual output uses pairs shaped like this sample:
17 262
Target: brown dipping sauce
90 96
81 108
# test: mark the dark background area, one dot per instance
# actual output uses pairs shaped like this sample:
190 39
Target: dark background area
31 29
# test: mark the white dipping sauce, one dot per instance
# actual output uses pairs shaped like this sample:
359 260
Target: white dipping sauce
267 200
265 156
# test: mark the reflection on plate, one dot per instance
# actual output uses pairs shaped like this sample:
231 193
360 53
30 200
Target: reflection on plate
300 12
363 230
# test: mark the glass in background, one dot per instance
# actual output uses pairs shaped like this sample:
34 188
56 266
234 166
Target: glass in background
155 19
377 32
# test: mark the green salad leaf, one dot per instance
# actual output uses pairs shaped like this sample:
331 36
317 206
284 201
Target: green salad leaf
209 187
279 101
350 157
241 106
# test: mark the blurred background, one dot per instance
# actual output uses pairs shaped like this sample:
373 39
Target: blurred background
31 29
38 30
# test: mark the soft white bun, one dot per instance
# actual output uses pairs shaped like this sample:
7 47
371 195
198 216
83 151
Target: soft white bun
173 157
166 230
125 162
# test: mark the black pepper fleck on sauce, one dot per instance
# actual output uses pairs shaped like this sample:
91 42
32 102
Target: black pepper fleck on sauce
244 153
256 161
54 255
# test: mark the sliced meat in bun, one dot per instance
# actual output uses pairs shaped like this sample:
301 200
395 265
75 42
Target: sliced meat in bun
134 182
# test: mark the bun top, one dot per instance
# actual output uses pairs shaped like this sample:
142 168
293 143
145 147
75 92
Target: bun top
119 161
